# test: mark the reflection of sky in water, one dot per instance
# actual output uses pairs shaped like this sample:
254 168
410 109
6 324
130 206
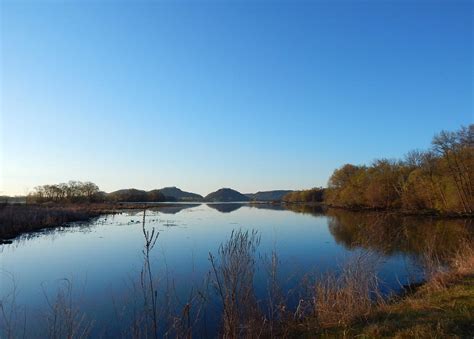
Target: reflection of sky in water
103 257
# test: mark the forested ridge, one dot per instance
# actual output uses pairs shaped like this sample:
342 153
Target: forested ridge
439 179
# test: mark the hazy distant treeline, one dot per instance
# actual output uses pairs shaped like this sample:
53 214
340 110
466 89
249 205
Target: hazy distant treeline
439 179
5 199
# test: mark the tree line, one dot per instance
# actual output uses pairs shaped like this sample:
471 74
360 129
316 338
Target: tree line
305 196
72 191
78 191
134 195
439 179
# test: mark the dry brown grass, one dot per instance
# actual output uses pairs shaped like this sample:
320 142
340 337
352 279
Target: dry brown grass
19 219
340 298
233 272
443 307
16 219
63 317
440 275
463 261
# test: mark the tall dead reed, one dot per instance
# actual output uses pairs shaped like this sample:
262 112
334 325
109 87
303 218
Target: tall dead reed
463 261
342 297
440 274
277 309
150 294
233 276
12 317
161 313
63 317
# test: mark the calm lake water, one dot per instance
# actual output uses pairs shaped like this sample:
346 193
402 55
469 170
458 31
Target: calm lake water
102 259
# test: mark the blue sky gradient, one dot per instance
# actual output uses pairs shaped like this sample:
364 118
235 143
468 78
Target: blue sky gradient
201 95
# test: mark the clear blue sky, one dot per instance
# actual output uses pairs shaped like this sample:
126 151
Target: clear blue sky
253 95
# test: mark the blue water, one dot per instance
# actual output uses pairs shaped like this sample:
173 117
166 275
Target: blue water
102 259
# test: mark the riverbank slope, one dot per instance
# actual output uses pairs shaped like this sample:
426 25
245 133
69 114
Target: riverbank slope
441 308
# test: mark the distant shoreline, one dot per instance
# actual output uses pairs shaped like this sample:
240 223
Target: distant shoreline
18 219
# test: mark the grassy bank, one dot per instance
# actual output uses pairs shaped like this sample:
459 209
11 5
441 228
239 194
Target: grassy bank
17 219
442 307
427 313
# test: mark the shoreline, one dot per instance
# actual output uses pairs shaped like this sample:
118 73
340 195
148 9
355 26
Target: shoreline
18 219
429 311
420 213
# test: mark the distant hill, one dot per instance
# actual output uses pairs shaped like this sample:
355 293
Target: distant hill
134 195
130 194
268 195
226 195
164 194
155 196
175 194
